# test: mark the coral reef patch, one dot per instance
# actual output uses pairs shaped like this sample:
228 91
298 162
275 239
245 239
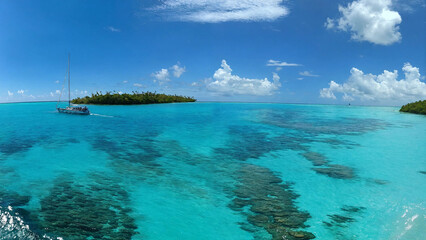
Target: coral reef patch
95 210
269 203
317 159
331 170
338 222
314 126
336 171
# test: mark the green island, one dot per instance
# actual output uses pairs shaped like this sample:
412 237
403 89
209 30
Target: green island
418 107
115 98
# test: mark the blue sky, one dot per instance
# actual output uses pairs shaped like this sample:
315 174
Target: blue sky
256 50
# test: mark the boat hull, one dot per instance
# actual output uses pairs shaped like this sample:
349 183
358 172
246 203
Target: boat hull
73 111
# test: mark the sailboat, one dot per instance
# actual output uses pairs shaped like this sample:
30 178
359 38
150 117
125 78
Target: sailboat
79 110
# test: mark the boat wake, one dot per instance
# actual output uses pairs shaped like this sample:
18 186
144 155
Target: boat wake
100 115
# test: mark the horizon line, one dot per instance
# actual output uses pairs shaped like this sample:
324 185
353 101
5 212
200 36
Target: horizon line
298 103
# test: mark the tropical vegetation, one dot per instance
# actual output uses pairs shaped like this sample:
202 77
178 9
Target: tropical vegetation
418 107
115 98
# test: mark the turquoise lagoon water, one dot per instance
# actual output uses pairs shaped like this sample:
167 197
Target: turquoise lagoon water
212 171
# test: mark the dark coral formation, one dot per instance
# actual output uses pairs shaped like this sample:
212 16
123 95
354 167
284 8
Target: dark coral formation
13 199
132 155
269 203
377 181
91 211
317 159
337 143
250 142
317 126
422 172
338 222
336 171
331 170
352 209
339 219
14 145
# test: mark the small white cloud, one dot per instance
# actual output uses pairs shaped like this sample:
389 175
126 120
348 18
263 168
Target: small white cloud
215 11
120 92
113 29
137 85
161 76
278 69
177 70
58 91
125 81
383 87
300 78
275 78
409 6
51 94
57 81
330 23
20 91
369 20
274 63
307 74
9 93
225 83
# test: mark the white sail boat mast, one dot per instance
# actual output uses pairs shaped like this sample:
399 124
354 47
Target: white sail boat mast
69 82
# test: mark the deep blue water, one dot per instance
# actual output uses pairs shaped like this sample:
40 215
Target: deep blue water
212 171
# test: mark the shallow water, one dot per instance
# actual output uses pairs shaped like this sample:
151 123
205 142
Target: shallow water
212 171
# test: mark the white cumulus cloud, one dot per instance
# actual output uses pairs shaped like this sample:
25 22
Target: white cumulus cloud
177 70
275 63
369 20
20 91
225 83
161 76
9 93
383 87
137 85
214 11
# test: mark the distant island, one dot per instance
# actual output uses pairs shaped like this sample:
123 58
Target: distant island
115 98
418 107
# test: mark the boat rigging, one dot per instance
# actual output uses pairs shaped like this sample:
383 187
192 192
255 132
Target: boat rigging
70 109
